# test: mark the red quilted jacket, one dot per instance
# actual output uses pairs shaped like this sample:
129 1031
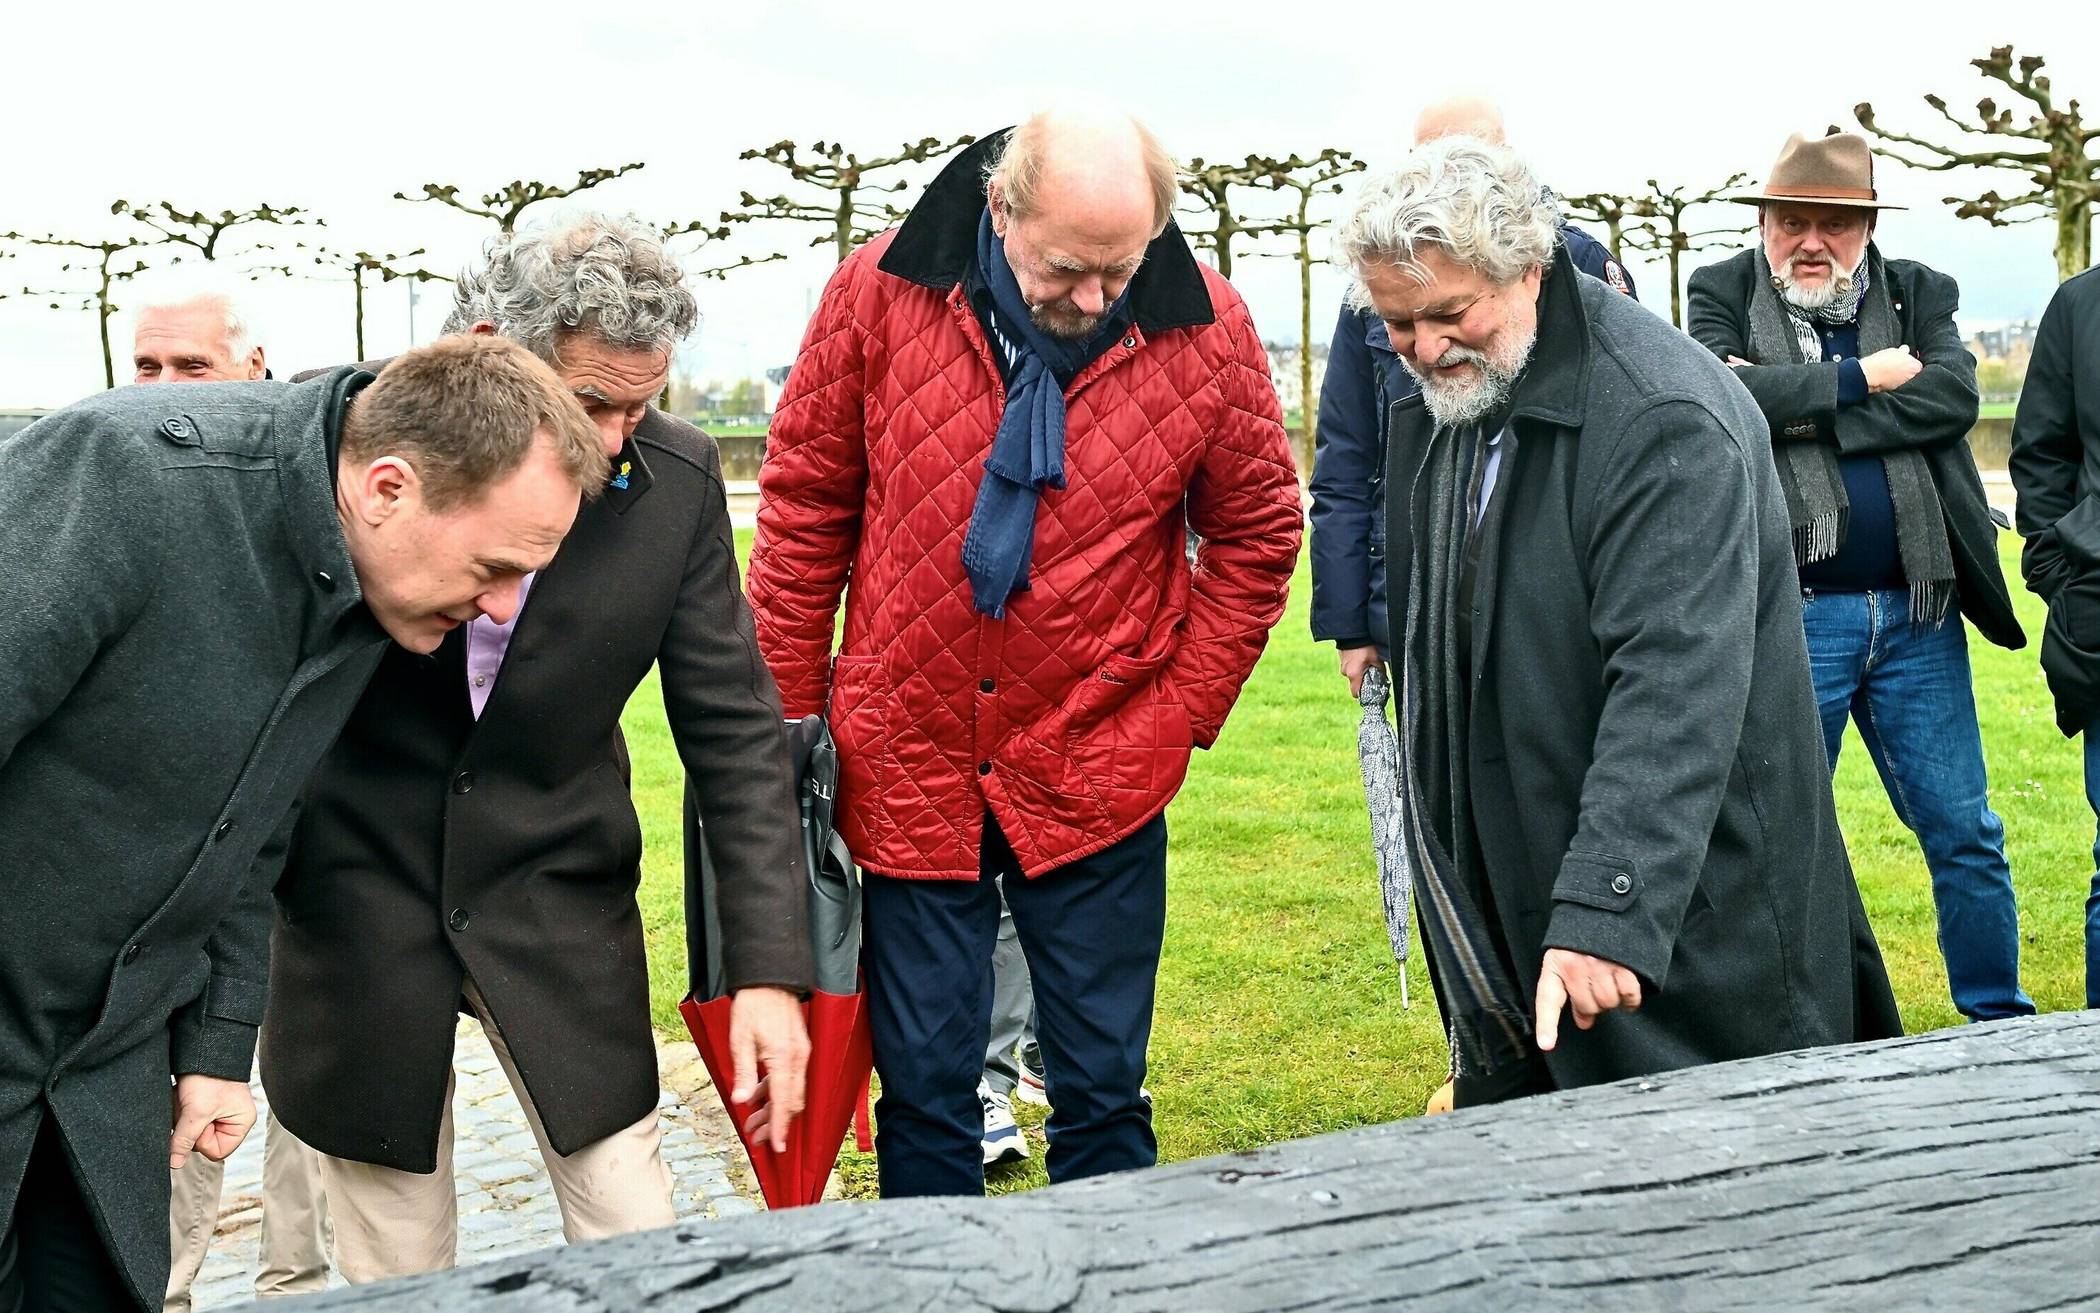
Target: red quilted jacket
1072 718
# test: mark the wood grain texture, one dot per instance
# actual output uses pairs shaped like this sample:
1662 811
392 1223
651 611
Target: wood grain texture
1955 1170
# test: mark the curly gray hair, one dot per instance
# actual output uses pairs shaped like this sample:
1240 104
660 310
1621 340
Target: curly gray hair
610 276
1479 205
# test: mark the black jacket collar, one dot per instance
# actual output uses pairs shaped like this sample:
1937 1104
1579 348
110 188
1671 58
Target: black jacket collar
1555 387
937 246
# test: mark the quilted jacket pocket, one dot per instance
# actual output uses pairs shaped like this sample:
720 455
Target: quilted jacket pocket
860 716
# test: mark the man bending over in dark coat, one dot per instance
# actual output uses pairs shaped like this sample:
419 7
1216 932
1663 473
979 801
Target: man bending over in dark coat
1612 777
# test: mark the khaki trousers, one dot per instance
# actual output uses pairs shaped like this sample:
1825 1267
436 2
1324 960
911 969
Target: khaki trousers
294 1220
391 1223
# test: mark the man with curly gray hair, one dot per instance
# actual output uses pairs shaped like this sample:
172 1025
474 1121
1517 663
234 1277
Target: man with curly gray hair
470 843
1612 783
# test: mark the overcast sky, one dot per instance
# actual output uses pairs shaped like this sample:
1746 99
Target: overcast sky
336 108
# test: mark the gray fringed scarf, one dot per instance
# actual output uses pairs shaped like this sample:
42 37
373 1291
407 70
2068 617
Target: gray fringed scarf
1782 333
1489 1026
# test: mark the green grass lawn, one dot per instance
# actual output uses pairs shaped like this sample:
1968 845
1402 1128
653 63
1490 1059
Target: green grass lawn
1279 1007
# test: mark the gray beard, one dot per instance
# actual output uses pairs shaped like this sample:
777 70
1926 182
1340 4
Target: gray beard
1454 404
1820 297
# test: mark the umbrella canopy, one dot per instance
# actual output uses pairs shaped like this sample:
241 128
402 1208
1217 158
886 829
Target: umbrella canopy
840 1056
1379 748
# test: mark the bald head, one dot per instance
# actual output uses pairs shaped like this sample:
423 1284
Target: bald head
1461 116
1075 199
1084 160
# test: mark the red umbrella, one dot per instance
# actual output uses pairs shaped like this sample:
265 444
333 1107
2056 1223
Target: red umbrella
840 1057
833 1092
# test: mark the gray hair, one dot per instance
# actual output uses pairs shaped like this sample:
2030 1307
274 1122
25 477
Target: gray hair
182 288
1479 205
609 276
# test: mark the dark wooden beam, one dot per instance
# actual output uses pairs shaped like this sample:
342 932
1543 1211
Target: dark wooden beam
1956 1170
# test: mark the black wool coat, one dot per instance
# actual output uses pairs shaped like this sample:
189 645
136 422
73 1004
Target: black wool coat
432 846
1932 413
2055 469
181 636
1647 770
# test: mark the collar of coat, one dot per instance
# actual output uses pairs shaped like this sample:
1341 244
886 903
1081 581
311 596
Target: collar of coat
1555 387
306 474
936 247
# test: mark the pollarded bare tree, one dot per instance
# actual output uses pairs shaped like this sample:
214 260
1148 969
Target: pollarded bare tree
1665 231
505 204
848 201
354 267
112 262
1305 181
2053 147
201 231
1211 185
704 235
1610 211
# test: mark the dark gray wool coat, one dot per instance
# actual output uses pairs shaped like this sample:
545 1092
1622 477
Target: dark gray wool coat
1648 776
181 636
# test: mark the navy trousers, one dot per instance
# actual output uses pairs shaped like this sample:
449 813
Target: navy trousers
1091 932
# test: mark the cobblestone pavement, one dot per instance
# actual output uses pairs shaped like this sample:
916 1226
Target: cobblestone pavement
505 1204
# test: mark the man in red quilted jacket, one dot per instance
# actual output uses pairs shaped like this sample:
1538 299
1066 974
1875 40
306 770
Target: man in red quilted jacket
1005 417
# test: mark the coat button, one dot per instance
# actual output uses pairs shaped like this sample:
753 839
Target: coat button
1621 883
325 580
225 828
1129 342
463 782
984 768
986 685
458 919
178 428
131 954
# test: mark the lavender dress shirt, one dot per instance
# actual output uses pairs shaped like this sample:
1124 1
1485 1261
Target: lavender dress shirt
487 641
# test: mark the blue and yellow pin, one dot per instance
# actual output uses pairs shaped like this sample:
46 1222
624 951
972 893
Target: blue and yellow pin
619 480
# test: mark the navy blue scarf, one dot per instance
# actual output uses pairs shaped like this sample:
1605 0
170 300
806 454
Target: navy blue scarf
1028 452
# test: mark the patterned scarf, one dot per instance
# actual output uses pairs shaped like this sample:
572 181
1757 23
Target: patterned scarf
1782 333
1489 1027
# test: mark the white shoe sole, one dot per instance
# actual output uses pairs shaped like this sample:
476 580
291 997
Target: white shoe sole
1006 1151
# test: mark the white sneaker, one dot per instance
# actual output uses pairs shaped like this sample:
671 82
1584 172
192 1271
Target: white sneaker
1029 1088
1003 1140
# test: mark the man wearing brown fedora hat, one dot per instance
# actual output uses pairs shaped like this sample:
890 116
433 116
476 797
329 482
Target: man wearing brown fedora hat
1870 394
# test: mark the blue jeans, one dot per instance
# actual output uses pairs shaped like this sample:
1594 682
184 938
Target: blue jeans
1908 689
1091 932
2092 899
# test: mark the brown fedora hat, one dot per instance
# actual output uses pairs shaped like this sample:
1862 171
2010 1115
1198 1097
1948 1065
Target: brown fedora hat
1833 170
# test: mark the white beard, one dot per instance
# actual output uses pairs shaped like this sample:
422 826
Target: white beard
1452 402
1834 288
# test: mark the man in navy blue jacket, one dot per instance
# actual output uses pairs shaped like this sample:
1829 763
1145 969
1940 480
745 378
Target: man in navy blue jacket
1363 380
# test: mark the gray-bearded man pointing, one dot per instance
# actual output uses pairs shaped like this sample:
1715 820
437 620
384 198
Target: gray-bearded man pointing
1612 778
